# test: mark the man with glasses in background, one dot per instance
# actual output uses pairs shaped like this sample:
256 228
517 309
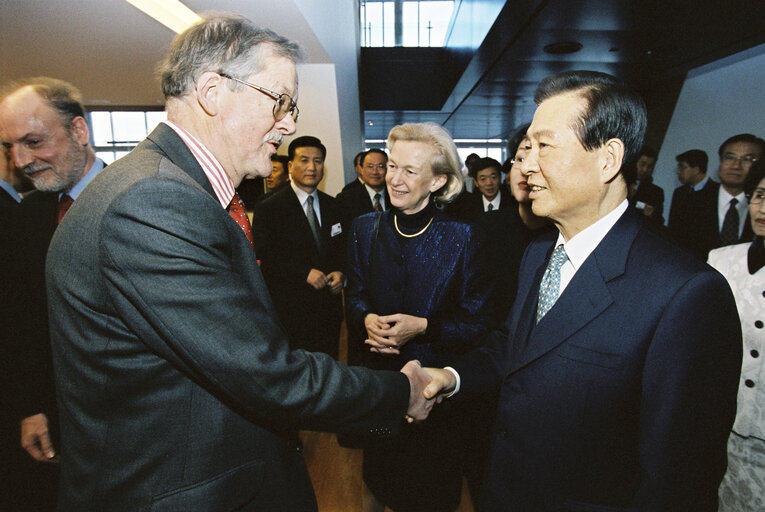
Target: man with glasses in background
177 387
721 217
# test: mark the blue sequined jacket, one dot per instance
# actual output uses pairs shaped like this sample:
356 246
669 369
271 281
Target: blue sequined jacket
441 275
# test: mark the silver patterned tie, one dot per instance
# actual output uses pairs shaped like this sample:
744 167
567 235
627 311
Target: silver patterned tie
313 221
549 288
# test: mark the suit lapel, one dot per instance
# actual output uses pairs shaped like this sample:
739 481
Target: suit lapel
584 299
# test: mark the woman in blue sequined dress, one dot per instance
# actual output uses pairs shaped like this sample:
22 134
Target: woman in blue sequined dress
418 288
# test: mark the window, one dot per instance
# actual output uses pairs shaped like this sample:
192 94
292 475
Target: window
115 133
420 22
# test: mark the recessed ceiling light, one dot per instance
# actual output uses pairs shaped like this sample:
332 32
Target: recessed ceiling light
171 13
563 47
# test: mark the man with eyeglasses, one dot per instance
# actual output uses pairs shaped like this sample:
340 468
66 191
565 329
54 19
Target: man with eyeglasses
176 386
372 195
721 217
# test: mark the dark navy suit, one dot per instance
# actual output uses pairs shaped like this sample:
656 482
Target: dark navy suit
623 396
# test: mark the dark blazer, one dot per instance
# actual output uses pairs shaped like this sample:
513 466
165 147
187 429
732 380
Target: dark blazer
352 184
624 394
287 252
695 223
442 276
355 201
32 233
653 195
176 386
472 206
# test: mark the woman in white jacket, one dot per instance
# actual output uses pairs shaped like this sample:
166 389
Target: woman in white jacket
743 265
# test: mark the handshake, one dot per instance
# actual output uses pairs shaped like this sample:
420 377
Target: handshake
427 386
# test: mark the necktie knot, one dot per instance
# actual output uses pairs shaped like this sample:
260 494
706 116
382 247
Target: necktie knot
549 288
491 207
64 203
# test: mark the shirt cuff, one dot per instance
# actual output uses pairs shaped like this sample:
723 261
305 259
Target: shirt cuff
456 376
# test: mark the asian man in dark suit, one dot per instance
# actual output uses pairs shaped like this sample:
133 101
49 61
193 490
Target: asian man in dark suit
619 374
372 195
176 385
719 214
301 246
43 127
648 198
697 187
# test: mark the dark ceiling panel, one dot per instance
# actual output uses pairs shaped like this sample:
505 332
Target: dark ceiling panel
650 43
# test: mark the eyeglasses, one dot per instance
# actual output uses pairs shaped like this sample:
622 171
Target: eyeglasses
382 167
757 196
730 158
284 103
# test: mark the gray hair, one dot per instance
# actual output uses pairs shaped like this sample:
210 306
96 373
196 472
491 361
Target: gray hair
221 42
445 159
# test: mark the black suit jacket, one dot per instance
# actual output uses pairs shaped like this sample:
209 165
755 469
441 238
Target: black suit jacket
176 385
653 195
287 251
623 395
353 184
695 222
32 233
355 201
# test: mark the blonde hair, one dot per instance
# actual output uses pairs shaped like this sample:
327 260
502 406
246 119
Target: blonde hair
445 158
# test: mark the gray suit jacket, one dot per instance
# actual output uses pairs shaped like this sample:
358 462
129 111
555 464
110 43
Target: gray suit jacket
176 388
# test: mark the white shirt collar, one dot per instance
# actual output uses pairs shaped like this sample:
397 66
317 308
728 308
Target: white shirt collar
494 201
584 242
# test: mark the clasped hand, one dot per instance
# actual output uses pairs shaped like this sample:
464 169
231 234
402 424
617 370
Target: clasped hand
427 386
387 334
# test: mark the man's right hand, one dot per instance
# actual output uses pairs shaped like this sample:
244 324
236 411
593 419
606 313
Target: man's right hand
419 407
35 438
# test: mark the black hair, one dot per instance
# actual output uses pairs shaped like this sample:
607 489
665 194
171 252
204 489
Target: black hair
613 110
743 137
484 163
306 141
694 158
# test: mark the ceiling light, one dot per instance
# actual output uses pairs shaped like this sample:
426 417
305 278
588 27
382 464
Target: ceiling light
171 13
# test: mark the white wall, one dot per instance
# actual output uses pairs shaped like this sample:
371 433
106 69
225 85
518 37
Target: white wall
718 100
320 117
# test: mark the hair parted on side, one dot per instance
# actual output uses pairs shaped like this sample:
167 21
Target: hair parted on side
62 96
742 137
614 111
223 42
445 158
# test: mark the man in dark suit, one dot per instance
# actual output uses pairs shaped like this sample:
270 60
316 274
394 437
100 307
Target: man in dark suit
372 195
43 127
357 165
719 215
648 198
301 246
618 378
697 188
494 208
176 386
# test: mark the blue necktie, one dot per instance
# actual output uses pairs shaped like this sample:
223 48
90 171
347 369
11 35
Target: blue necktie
549 289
